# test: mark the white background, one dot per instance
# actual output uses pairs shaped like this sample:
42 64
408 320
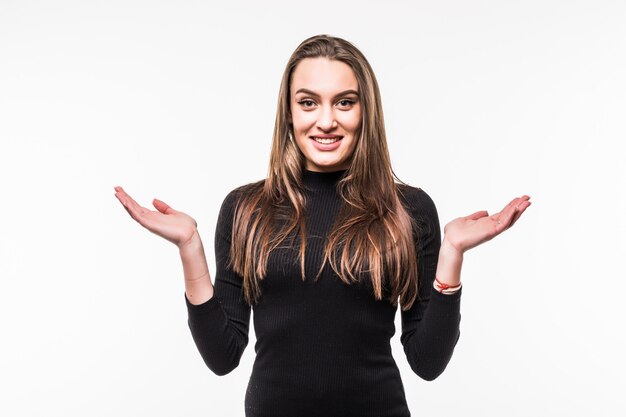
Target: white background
484 101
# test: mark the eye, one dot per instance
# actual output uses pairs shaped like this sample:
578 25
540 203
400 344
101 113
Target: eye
303 102
350 102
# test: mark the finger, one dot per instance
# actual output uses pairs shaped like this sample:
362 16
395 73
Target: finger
121 199
132 208
121 192
515 217
129 209
513 204
510 213
477 215
133 205
162 206
518 213
129 212
504 218
514 213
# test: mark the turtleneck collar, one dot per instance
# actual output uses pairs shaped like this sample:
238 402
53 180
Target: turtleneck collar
321 180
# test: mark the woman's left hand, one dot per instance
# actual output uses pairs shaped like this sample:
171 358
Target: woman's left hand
467 232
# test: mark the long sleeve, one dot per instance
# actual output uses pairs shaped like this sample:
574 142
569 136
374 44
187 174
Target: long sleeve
430 329
220 325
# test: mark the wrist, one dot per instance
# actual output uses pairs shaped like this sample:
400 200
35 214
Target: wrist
449 250
445 288
191 245
449 264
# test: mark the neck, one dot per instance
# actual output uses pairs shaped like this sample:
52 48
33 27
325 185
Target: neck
320 180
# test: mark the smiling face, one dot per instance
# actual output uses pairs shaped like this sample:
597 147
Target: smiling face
325 103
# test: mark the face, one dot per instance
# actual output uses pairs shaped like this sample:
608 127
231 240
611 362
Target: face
325 105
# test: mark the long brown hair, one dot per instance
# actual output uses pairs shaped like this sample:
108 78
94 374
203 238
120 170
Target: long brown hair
372 233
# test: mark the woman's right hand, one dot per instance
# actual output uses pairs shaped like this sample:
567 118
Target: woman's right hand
175 226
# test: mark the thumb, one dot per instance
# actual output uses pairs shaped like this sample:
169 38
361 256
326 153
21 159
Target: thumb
162 206
477 215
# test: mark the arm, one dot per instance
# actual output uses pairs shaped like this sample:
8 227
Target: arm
219 316
218 319
430 328
198 285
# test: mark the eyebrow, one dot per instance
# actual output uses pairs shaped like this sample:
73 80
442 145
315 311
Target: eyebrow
304 90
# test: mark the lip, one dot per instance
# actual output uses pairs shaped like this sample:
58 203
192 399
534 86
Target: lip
329 146
327 136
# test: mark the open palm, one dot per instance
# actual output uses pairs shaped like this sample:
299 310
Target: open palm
467 232
170 224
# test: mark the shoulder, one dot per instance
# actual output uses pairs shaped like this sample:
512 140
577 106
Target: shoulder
423 211
236 195
227 209
418 202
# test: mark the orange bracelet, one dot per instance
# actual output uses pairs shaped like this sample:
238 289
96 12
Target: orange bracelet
445 288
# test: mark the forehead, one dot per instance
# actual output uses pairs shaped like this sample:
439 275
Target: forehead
324 76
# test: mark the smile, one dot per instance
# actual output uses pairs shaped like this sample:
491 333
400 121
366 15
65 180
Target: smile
326 141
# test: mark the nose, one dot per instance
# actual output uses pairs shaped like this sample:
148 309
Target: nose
326 121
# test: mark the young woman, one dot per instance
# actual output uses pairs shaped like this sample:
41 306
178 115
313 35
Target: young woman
322 250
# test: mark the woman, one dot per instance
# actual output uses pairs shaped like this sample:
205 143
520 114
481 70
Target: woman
322 250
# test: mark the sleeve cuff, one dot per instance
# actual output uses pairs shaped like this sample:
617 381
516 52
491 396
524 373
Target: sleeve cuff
446 298
208 306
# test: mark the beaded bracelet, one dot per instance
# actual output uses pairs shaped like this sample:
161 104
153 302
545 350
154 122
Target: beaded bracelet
445 288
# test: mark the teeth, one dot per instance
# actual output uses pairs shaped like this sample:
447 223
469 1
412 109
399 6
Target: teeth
325 141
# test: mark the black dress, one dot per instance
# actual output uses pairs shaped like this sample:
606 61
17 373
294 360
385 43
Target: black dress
323 348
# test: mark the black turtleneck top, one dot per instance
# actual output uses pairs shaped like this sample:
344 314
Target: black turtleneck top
323 347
